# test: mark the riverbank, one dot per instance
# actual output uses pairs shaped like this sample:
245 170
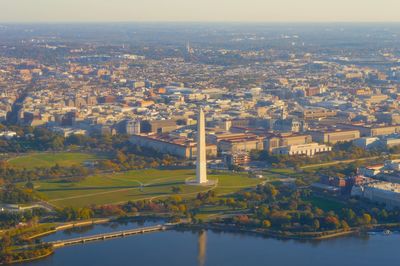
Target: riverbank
43 256
187 226
191 246
77 224
69 226
320 235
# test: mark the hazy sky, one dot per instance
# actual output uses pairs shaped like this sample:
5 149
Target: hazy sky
198 10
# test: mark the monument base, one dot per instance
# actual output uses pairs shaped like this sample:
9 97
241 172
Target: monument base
205 184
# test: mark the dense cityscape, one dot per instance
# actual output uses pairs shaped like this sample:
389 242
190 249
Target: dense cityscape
294 130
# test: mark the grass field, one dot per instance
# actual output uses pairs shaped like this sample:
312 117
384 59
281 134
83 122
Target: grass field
282 171
211 212
327 204
135 185
46 160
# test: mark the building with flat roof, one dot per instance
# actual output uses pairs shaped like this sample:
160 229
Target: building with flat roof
283 140
391 142
309 149
180 147
379 191
367 142
333 137
158 126
372 130
318 113
246 143
237 158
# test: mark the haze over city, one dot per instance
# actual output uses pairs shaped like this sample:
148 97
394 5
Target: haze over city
199 132
199 10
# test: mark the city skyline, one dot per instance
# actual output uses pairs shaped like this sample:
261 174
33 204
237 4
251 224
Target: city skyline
218 138
21 11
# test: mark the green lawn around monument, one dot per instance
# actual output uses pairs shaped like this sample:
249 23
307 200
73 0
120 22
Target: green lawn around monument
136 185
46 160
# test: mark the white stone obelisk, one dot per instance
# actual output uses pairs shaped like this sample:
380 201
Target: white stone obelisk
201 164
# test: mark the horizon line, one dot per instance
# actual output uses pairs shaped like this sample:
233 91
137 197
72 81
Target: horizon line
202 22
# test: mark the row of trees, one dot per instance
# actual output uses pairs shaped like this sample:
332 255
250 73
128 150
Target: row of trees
10 174
8 254
340 151
28 217
121 153
42 139
10 194
74 214
292 210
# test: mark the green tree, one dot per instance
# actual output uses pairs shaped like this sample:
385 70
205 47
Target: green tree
316 224
176 189
5 249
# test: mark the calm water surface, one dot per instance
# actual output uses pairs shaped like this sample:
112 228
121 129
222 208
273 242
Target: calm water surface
99 229
178 248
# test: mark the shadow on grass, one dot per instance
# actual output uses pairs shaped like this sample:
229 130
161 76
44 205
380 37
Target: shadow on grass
167 184
85 188
150 194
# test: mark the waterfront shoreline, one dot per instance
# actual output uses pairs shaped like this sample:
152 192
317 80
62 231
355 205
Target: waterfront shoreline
31 259
270 233
320 235
306 236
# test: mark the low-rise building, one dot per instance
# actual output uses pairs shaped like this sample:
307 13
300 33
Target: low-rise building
367 142
237 158
379 191
317 113
284 140
371 130
8 134
391 142
158 126
371 170
334 137
180 147
309 149
246 144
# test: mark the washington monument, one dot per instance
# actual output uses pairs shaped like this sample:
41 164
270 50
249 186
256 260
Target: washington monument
201 165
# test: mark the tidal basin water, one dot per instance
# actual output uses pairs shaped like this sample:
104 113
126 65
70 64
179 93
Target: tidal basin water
183 248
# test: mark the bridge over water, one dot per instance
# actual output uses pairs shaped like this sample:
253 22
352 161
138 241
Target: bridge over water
86 239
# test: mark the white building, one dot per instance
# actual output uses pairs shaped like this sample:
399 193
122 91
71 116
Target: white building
8 134
309 149
392 142
381 192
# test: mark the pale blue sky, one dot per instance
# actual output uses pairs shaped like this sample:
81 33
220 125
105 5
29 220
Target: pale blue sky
199 10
